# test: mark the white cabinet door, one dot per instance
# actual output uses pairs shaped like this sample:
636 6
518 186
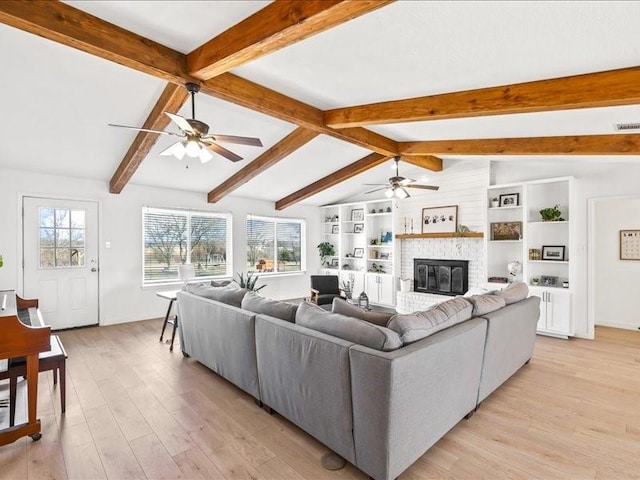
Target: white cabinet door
542 320
559 312
387 289
373 290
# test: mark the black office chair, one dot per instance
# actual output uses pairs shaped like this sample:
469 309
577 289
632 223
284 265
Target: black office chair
324 288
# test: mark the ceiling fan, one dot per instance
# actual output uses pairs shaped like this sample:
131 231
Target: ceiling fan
197 141
397 185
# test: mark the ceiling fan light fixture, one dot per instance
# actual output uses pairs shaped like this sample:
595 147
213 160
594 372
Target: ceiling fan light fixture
401 193
192 148
205 155
388 192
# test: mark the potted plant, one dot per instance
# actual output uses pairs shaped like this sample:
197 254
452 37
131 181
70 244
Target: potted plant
535 281
551 214
326 250
494 202
250 282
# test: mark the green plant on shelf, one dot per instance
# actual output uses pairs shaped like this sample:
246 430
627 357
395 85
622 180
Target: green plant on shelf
326 250
551 214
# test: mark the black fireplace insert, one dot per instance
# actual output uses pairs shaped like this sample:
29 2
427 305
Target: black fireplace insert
442 277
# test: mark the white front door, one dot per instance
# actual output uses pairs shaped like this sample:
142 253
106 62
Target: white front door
60 259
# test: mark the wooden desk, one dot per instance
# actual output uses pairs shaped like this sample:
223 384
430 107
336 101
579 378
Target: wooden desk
18 340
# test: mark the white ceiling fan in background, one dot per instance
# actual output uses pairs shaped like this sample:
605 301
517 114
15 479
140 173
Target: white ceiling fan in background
397 186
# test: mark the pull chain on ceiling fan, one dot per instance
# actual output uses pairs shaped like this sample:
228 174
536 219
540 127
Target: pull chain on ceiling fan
198 142
397 186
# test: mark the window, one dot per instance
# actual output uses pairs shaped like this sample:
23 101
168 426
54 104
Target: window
176 237
275 245
62 233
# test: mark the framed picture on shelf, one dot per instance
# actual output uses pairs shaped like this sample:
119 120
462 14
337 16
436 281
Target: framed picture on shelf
510 200
548 281
335 229
335 262
357 214
358 252
553 252
506 231
358 227
440 219
629 244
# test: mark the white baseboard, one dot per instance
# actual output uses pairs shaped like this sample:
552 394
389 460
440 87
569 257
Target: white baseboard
626 326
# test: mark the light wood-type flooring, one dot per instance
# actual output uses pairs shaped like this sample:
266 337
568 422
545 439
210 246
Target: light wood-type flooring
135 410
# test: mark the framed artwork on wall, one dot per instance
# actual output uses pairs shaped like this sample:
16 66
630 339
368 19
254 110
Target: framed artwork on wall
440 219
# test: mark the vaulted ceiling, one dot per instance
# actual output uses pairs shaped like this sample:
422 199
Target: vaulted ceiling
333 88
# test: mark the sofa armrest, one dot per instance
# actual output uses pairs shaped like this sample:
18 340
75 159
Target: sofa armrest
404 401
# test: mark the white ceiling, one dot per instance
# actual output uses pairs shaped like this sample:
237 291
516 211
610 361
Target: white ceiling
57 100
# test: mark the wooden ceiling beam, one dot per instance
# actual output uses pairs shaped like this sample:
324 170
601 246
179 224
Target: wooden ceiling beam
620 144
171 100
243 92
70 26
279 24
602 89
333 179
425 161
282 149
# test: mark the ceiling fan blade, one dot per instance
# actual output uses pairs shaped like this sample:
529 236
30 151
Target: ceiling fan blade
223 151
254 142
144 129
423 187
407 181
375 190
181 122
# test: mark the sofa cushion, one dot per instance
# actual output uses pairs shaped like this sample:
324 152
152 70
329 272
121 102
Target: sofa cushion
258 304
348 328
515 292
345 308
231 294
418 325
483 304
221 283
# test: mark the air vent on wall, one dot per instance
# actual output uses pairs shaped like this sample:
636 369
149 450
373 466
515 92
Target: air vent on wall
623 127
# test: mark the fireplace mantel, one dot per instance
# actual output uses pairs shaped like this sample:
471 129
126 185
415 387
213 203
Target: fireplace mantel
440 235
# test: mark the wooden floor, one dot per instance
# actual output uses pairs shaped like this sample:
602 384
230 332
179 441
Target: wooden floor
135 410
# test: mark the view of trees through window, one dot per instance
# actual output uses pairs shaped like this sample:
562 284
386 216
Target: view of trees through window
175 237
274 245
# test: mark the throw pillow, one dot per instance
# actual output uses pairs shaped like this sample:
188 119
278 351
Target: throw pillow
418 325
348 328
258 304
345 308
231 295
220 283
483 304
515 292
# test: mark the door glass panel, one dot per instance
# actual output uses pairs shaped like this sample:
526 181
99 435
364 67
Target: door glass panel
46 217
77 219
63 257
62 237
60 245
77 238
47 237
62 218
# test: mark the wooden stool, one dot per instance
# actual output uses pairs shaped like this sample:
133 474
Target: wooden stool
54 360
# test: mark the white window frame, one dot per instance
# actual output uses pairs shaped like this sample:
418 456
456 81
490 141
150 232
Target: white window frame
189 213
303 243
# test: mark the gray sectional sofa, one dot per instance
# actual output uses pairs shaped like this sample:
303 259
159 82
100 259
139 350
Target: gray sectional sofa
377 392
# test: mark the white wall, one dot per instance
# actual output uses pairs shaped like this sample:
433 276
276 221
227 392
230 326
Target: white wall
616 299
593 180
122 298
